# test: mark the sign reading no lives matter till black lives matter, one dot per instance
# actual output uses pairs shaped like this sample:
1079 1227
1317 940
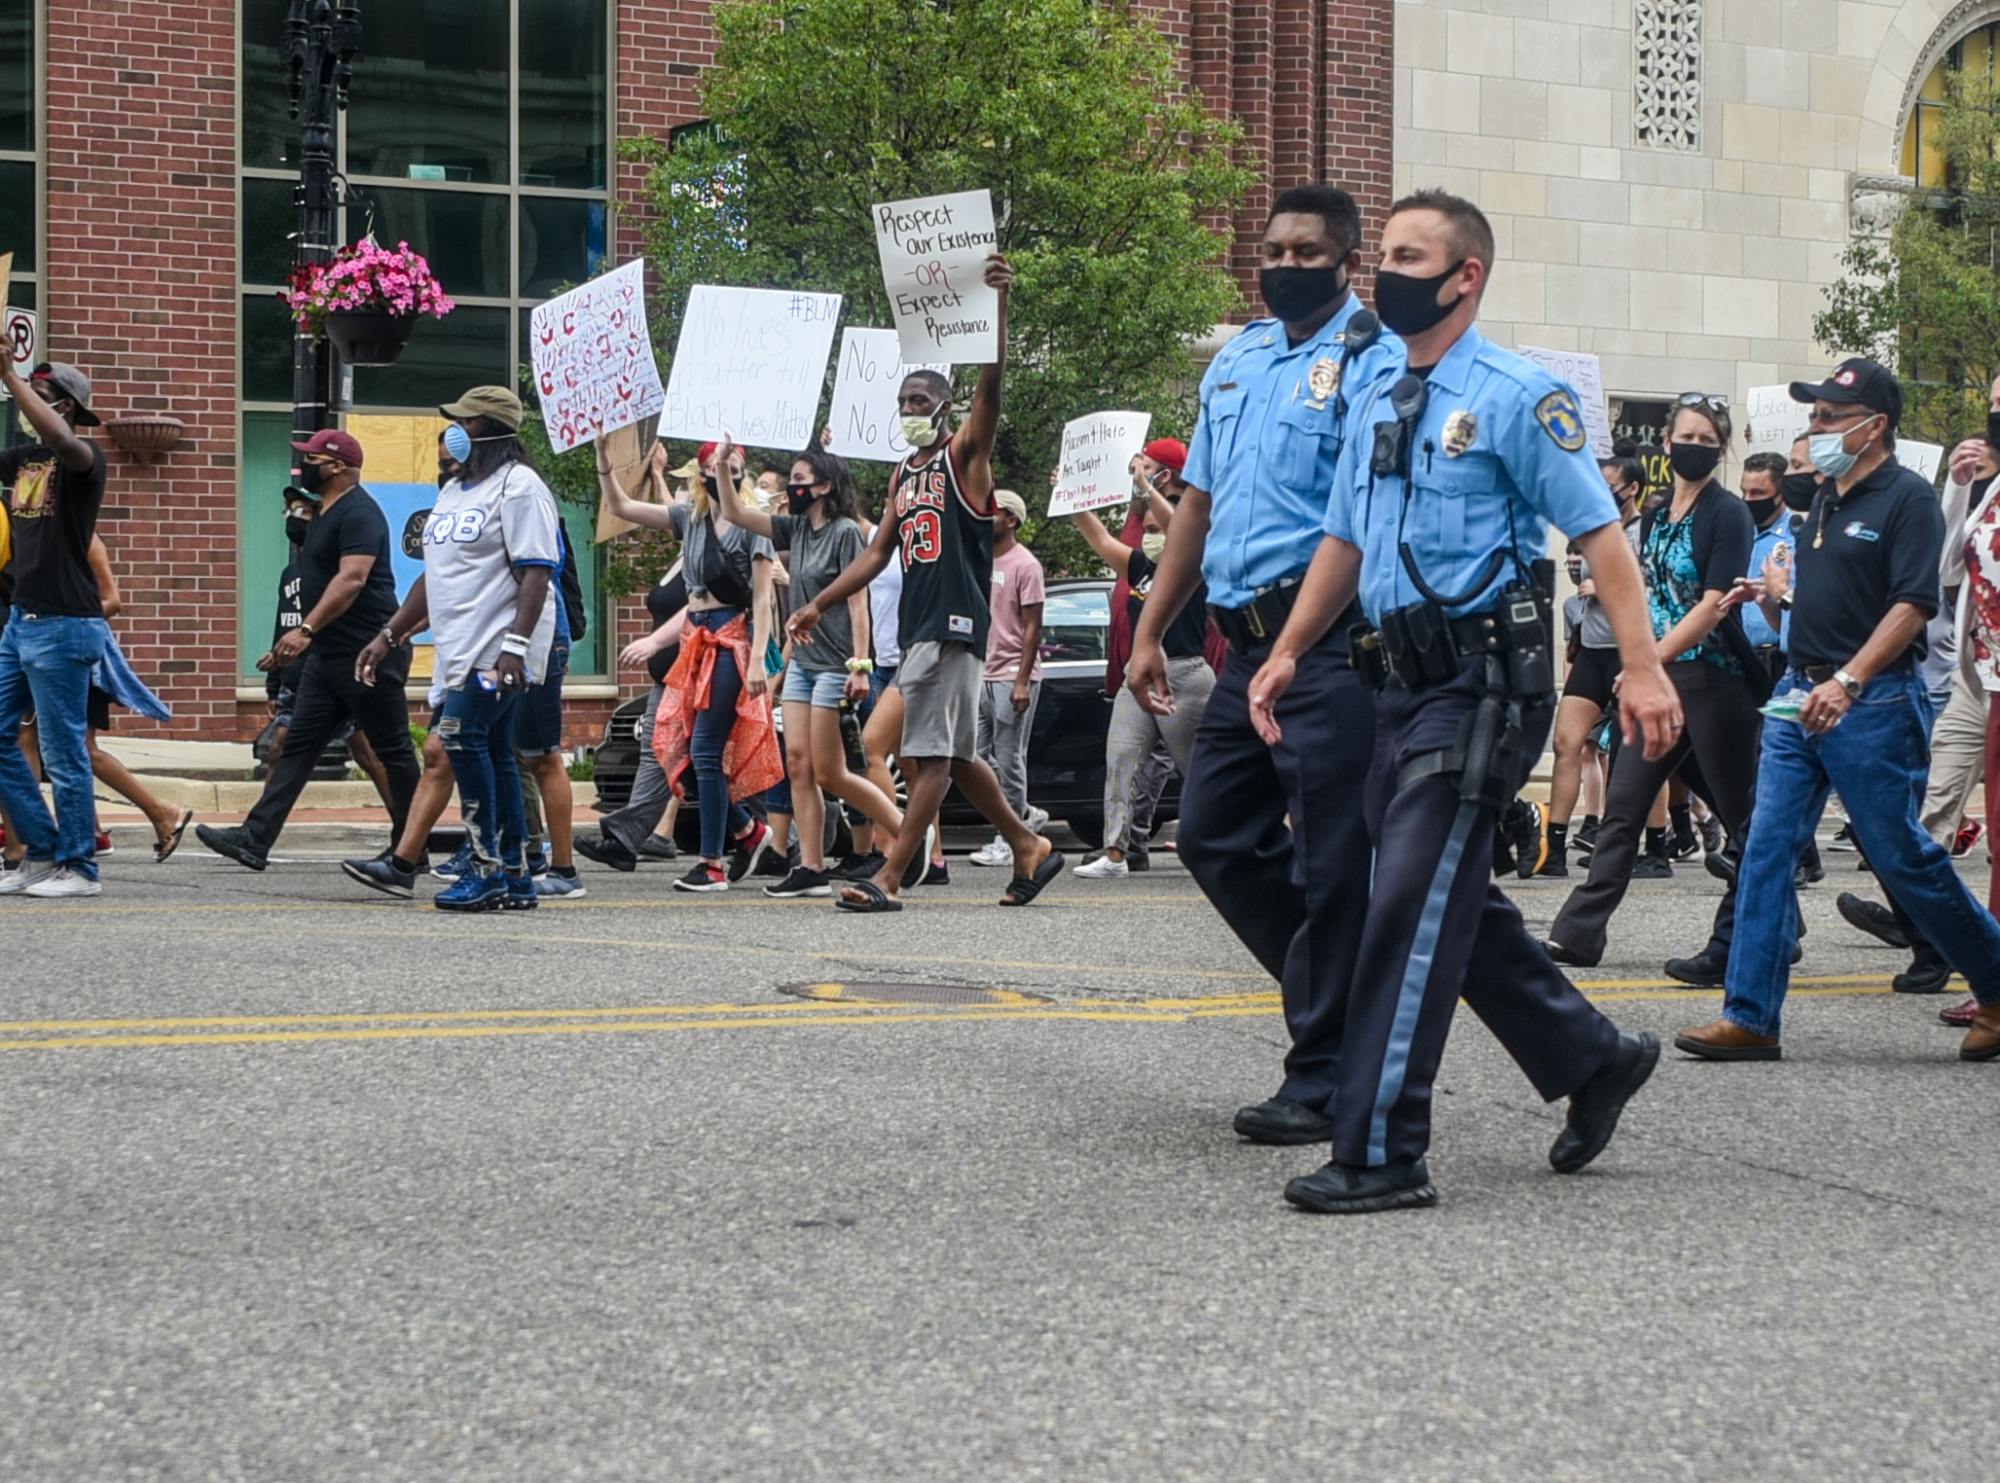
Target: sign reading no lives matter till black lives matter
934 253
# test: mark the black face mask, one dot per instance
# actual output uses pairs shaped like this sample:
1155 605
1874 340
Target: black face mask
1295 295
1408 305
1761 510
295 529
1693 462
1993 428
799 497
1798 490
311 477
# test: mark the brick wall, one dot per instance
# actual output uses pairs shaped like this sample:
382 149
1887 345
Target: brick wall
142 251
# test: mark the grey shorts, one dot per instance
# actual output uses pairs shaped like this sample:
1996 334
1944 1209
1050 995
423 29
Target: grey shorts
940 685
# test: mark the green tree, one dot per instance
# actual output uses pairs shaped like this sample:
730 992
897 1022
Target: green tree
1924 299
1112 188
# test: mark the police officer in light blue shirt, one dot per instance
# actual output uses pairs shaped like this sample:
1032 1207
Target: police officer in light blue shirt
1452 466
1255 820
1763 485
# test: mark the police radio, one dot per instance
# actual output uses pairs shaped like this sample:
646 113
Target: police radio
1363 330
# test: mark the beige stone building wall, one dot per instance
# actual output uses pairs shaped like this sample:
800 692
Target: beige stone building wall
1672 182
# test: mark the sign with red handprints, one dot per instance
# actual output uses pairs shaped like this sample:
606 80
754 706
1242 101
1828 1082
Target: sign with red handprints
593 359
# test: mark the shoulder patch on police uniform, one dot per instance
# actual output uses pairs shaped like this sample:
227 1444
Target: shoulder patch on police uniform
1562 420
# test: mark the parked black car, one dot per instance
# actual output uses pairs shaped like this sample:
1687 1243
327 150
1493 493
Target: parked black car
1065 751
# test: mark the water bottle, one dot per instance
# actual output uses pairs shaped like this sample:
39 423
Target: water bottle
850 737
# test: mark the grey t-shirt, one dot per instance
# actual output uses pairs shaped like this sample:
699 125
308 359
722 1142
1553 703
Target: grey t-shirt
1596 628
739 548
818 556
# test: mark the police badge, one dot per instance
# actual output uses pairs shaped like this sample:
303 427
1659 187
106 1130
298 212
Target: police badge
1459 430
1323 380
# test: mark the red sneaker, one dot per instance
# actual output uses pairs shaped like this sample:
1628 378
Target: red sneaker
103 846
1968 836
749 850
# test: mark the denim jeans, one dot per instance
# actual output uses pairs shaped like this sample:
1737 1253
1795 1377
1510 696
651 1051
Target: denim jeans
45 666
721 820
1878 758
477 731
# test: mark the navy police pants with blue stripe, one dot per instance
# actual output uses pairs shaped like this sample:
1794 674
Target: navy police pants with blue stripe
1438 929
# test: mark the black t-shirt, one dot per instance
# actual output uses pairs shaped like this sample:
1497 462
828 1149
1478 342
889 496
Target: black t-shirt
291 583
353 526
947 551
54 512
1859 556
1187 636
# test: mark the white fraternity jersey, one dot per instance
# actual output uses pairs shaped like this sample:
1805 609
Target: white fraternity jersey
885 598
475 539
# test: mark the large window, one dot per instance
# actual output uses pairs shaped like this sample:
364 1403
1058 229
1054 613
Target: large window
1976 53
479 131
20 150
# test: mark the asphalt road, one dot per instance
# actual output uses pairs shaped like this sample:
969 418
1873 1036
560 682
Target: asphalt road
303 1185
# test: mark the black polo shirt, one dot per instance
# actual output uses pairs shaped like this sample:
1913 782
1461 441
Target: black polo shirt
1858 556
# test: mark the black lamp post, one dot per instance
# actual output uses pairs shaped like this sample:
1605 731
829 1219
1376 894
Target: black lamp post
320 42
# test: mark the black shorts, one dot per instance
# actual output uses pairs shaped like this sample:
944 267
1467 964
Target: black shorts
1590 676
98 709
538 729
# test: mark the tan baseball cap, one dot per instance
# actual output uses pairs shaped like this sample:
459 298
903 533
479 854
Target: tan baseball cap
496 402
1013 504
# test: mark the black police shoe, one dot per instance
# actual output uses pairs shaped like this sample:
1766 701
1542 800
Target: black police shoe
1721 864
1705 970
1281 1121
1340 1190
1927 974
1594 1107
604 850
232 844
1873 918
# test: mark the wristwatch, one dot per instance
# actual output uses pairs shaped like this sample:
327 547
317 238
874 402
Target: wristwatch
306 629
1847 682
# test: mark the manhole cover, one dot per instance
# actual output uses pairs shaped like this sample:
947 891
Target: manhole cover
906 993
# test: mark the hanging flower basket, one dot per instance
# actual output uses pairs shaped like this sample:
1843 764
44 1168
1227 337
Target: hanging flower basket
366 301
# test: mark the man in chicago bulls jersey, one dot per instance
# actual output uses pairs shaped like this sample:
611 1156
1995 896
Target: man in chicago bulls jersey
939 520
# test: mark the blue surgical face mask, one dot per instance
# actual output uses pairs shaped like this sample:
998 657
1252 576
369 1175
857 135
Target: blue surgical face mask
458 442
1829 452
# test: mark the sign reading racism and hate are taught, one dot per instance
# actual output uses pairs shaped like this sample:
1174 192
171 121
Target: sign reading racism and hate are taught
1097 454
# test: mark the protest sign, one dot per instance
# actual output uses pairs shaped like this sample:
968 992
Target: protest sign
1097 453
934 253
1774 419
750 362
1580 372
1920 458
593 358
864 419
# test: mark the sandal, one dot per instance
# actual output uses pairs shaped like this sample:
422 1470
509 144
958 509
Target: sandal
162 848
873 899
1025 888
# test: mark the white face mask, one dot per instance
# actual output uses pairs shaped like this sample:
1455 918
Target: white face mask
921 432
21 420
1153 542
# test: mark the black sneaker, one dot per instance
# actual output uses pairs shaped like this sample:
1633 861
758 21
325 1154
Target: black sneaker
1530 843
777 866
1684 846
1652 868
382 875
653 847
1586 834
1340 1190
860 867
749 849
605 850
1556 866
936 874
1711 836
231 844
1873 918
802 882
1138 864
1843 839
1810 867
704 877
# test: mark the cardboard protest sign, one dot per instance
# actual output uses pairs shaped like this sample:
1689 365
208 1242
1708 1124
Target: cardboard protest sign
593 358
1920 458
750 362
1774 419
934 252
1583 375
1097 453
864 418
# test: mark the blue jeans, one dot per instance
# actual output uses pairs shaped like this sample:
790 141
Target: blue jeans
721 820
1877 758
45 666
477 732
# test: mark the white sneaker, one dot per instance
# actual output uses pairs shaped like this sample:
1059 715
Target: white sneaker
62 881
995 853
1037 819
28 873
1104 868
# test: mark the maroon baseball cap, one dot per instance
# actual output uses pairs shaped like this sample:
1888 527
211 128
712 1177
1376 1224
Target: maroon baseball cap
334 443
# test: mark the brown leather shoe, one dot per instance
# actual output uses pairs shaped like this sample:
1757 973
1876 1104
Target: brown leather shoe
1959 1016
1724 1040
1982 1041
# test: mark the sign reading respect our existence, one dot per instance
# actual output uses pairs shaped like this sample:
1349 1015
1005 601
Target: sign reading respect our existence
1097 453
750 362
593 358
1582 374
934 253
1773 419
865 420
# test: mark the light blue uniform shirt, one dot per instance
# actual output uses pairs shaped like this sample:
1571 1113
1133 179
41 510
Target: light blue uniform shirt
1264 449
1756 627
1498 455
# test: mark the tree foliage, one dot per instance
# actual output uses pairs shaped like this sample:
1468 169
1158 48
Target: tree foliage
1925 299
1112 187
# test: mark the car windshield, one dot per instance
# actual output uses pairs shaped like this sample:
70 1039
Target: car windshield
1076 624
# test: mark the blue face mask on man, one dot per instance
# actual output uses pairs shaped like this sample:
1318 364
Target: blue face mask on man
1829 450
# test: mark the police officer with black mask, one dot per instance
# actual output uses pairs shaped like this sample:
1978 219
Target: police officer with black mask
1454 461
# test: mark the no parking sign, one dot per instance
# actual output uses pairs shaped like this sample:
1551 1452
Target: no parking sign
21 332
